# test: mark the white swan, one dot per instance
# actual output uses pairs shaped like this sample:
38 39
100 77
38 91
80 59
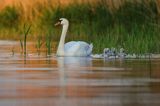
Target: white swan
73 48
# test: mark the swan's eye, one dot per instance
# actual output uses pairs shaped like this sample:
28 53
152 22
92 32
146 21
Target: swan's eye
60 21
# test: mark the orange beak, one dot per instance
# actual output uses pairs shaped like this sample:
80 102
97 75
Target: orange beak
58 23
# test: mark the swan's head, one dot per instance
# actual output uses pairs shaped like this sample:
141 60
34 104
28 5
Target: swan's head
62 21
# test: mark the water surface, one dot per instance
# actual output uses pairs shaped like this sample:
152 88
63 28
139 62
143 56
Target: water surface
69 81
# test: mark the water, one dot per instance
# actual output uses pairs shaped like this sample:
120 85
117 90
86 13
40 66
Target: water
68 81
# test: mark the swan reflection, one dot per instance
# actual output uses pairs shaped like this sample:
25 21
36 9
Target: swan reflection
68 66
71 65
74 61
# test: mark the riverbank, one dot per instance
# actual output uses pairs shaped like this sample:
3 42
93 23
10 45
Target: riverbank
133 26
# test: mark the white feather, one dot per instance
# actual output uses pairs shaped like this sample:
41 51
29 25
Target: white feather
73 48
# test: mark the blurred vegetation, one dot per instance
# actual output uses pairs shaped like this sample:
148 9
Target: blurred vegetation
133 26
9 17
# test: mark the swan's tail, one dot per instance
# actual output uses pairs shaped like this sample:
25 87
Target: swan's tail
89 51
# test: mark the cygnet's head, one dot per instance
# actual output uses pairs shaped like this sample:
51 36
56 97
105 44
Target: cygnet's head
62 21
122 50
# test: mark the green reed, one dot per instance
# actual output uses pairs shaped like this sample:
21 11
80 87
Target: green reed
48 42
23 38
39 44
9 17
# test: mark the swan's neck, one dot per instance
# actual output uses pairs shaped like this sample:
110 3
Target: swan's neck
60 50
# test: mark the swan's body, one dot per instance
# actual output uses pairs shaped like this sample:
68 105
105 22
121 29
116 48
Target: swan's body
73 48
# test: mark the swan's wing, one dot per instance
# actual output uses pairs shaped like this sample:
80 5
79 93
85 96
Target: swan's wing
78 48
89 49
71 47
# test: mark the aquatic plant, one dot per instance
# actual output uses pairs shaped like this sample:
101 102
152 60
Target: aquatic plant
133 25
39 44
9 17
49 42
23 38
